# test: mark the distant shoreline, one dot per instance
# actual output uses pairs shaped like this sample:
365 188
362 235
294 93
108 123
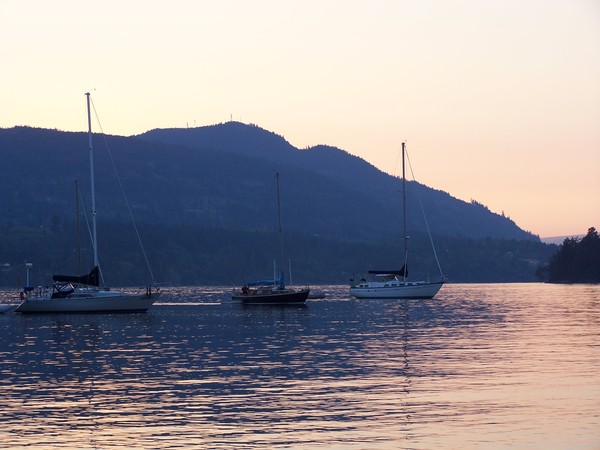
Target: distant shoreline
558 240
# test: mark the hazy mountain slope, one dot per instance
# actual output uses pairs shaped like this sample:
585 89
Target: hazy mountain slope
206 209
223 176
170 184
446 215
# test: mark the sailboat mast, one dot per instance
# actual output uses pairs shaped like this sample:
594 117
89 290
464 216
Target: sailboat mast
77 226
94 238
279 222
404 213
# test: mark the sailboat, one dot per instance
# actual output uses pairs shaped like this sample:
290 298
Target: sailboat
82 293
272 291
395 283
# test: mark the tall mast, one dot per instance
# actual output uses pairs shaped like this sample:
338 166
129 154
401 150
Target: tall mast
279 222
404 214
77 226
94 239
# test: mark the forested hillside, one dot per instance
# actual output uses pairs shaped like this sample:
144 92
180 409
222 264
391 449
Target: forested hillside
576 261
323 190
355 179
205 199
193 255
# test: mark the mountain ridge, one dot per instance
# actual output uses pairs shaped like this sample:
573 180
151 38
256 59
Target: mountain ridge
348 170
208 204
218 174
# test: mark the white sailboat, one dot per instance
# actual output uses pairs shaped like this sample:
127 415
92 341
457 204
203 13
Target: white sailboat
82 293
395 283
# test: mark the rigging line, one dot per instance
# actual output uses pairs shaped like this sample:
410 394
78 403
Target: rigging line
89 228
424 217
281 229
268 205
124 196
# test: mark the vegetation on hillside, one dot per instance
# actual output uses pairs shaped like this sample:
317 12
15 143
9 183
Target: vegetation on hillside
193 255
576 261
225 181
204 201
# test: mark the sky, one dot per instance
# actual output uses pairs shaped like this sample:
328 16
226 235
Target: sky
497 101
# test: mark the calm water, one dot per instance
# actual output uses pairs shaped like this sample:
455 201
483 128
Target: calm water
481 366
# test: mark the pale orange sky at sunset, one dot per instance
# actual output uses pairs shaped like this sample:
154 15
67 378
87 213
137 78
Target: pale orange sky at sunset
498 101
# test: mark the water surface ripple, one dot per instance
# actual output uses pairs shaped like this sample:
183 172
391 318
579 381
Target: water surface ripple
480 366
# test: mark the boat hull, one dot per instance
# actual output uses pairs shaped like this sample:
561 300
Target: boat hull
417 290
92 304
275 298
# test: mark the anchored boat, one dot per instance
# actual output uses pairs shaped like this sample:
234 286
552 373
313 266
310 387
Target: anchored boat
82 293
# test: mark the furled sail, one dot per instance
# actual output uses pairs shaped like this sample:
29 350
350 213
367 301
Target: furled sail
402 272
91 279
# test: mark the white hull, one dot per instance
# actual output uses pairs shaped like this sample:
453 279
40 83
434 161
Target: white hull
81 293
400 290
103 301
392 283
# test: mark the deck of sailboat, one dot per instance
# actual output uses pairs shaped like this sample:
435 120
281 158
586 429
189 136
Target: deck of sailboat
284 296
105 301
394 283
82 293
396 289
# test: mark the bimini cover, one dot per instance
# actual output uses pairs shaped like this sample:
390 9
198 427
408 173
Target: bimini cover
402 272
270 282
91 279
